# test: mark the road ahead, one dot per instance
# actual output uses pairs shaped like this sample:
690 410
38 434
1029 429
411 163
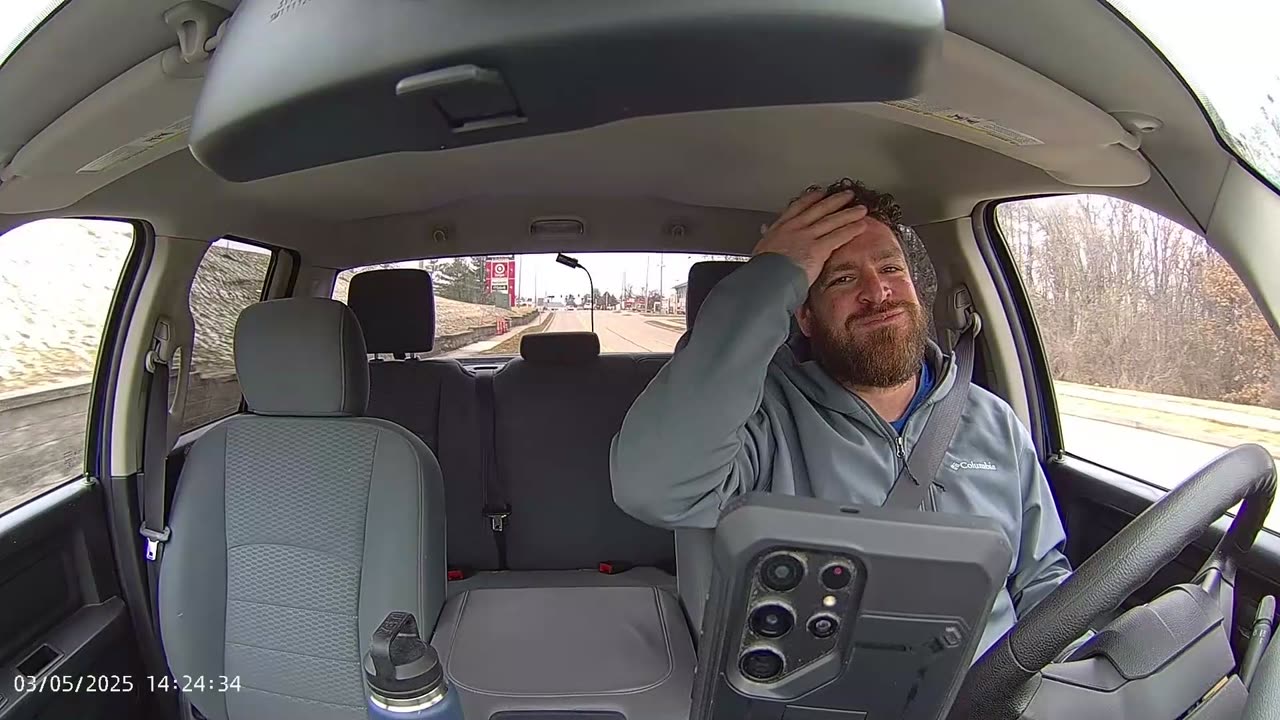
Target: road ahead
623 332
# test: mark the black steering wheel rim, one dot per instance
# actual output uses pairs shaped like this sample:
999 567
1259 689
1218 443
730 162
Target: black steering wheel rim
998 686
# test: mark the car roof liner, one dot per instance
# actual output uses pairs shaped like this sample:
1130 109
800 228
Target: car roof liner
300 85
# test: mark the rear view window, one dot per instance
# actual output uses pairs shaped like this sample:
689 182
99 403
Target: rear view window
485 304
57 281
230 278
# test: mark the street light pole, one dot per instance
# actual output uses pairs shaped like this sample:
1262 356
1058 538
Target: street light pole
662 293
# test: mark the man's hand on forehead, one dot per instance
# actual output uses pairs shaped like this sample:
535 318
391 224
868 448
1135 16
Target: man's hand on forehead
812 227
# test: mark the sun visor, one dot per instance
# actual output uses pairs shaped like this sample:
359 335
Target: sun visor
299 85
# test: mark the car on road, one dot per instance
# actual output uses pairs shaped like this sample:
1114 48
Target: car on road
281 385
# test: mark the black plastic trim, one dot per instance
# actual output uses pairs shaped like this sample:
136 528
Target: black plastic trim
1131 496
39 516
273 266
1046 428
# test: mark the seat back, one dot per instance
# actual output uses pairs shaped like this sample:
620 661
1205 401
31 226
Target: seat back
297 527
434 399
558 407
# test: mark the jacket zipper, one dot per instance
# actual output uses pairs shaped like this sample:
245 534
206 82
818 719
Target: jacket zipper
895 438
898 439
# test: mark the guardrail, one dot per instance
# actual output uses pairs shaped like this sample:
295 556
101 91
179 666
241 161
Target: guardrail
41 438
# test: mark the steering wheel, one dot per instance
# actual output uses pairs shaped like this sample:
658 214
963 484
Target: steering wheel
1001 684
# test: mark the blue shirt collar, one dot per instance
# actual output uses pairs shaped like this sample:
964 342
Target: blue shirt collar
924 384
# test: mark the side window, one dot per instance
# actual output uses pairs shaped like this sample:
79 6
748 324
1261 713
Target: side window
1159 355
230 278
57 281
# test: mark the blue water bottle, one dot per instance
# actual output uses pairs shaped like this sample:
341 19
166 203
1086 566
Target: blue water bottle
404 675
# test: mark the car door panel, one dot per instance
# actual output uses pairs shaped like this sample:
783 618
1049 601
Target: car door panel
1096 503
66 647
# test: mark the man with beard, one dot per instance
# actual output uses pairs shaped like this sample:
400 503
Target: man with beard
744 406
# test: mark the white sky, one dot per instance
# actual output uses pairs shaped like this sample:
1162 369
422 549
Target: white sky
20 17
541 273
607 269
1224 49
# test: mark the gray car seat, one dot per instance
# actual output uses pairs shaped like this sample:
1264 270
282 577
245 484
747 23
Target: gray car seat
298 526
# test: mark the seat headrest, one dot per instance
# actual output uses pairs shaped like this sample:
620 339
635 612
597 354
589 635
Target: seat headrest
397 309
302 356
560 348
702 277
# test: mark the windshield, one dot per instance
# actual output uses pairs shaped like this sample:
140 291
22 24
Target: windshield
1226 53
18 18
485 304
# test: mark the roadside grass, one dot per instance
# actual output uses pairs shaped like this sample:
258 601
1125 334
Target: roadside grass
511 346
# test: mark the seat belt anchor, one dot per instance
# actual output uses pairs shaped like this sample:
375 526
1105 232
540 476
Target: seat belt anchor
154 360
498 519
154 539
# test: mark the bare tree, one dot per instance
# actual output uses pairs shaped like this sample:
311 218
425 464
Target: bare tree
1126 298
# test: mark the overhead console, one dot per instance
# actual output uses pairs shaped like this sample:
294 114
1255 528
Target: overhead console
304 84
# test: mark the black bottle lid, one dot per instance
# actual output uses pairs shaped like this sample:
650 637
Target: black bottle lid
399 665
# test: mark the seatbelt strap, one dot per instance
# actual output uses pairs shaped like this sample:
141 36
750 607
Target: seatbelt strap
497 507
913 488
155 450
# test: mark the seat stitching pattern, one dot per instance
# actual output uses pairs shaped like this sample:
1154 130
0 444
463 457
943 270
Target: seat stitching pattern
283 652
287 607
299 699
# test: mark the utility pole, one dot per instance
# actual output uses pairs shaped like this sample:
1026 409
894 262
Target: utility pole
646 282
662 293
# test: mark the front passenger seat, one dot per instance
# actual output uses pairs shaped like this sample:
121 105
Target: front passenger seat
298 526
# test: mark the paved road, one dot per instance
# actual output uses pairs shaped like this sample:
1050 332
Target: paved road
621 332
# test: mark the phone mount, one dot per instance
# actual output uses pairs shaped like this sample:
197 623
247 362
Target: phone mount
822 611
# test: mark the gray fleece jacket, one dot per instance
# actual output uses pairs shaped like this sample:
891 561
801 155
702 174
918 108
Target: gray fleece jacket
736 411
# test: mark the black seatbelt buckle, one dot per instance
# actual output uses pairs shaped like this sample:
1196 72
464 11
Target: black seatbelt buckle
498 518
154 539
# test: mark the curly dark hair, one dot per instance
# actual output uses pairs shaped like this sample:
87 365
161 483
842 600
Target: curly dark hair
880 206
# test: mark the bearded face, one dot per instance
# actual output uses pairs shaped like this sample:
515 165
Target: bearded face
862 317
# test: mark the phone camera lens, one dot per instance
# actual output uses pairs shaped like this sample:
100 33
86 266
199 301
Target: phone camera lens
782 573
761 665
823 626
772 621
836 577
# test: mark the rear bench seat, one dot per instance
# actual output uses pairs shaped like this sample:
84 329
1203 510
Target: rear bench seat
550 634
558 407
